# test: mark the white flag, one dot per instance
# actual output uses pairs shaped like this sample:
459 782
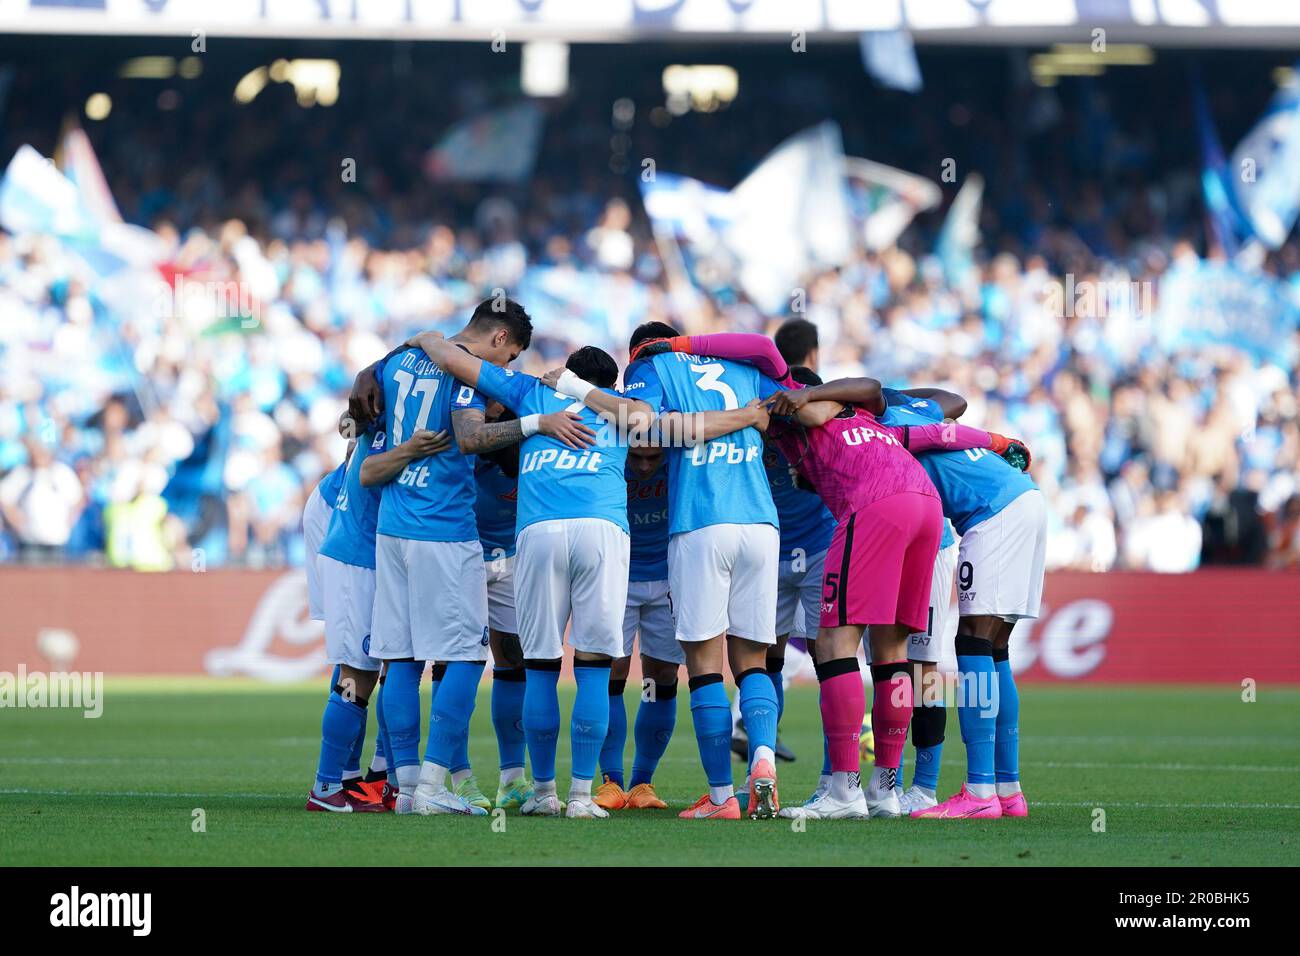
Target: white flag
789 215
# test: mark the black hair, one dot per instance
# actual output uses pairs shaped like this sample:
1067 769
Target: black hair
651 330
502 313
796 339
805 376
593 365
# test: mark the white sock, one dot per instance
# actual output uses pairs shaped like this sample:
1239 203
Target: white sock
763 752
379 764
544 787
432 775
1008 789
458 776
883 780
351 775
720 795
407 778
579 789
980 791
925 790
846 785
323 789
510 774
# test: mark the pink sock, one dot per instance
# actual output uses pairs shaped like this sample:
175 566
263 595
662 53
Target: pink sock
891 711
843 704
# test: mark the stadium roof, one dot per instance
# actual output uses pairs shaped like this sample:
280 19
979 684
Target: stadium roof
1191 22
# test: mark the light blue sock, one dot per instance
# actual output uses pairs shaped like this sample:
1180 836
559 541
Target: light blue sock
338 729
353 765
1007 749
655 720
508 715
590 721
778 685
401 702
758 706
542 718
450 712
611 754
383 734
711 715
977 706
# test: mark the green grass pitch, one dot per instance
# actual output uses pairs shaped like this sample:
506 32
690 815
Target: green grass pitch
1186 776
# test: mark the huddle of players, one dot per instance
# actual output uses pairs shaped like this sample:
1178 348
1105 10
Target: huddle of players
653 514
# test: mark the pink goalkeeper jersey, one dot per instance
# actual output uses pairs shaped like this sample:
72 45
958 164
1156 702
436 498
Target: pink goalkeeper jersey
854 461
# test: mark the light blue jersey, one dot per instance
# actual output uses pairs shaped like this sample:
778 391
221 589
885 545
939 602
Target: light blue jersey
806 523
495 509
555 481
722 481
350 538
433 497
329 485
647 517
973 485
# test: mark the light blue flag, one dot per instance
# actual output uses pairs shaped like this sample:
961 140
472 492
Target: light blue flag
1265 171
890 57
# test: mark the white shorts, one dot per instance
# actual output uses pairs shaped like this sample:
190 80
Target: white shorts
1001 562
927 645
501 595
724 581
349 595
430 600
650 614
799 595
571 567
315 522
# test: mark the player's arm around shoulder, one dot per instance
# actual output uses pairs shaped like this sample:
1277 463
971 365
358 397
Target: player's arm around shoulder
687 429
629 415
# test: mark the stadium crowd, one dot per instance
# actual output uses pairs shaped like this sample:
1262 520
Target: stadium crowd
187 428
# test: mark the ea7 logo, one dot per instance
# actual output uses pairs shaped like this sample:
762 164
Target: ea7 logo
76 909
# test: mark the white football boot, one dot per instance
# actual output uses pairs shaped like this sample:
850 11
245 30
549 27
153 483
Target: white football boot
825 806
429 801
584 807
916 798
542 805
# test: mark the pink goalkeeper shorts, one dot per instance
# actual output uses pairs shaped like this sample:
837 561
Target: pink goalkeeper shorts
880 562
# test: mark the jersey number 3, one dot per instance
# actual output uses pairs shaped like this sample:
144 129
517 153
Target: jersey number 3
710 380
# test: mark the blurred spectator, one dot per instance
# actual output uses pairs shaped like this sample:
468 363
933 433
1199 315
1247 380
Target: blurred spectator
190 413
41 500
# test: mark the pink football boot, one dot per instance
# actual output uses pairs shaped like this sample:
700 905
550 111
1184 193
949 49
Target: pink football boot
962 806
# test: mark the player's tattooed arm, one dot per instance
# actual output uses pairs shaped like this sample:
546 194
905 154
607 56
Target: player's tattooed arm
477 436
384 467
952 404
